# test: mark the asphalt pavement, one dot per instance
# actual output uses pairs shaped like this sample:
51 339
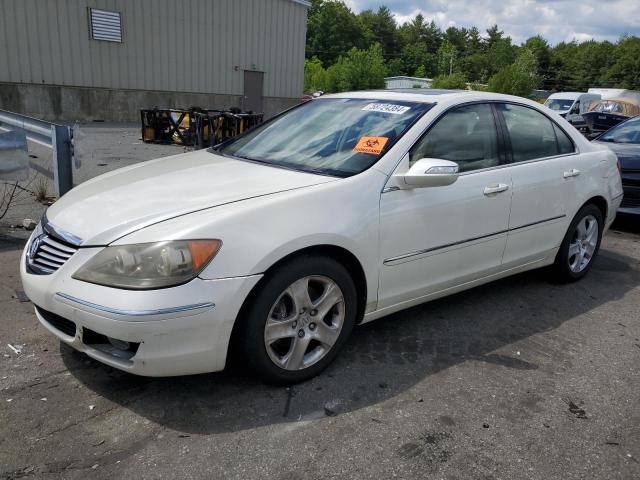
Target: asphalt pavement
519 379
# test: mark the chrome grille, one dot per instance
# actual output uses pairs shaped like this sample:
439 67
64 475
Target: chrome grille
47 254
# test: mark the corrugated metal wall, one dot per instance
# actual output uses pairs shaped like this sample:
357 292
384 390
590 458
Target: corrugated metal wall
172 45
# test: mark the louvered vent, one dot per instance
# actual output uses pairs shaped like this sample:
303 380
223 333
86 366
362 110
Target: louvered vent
105 25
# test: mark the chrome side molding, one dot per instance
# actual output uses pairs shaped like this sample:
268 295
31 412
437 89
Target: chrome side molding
135 313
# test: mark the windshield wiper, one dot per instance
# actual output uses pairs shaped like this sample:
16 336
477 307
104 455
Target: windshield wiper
329 172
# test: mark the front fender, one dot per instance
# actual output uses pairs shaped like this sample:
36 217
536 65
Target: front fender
257 233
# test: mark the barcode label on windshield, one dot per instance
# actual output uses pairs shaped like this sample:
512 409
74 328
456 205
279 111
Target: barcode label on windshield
386 108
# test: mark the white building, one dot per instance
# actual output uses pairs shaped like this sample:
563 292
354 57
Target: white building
407 82
107 59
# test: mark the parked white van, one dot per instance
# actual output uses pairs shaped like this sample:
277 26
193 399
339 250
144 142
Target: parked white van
571 105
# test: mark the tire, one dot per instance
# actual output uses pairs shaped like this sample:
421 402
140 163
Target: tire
569 266
281 321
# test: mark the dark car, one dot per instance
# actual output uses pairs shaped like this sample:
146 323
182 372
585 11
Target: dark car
624 140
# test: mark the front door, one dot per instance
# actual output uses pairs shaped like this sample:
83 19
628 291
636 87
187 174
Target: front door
435 238
253 91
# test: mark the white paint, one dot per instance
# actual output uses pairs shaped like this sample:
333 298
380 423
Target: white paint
262 214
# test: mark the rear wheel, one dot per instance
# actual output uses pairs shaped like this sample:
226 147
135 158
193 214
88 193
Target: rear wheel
580 245
299 320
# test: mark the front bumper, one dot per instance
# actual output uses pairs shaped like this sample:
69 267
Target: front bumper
181 330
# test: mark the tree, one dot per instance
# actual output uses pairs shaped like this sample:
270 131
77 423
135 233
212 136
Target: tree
420 72
494 35
358 70
455 81
315 76
500 54
414 56
519 78
540 48
475 67
380 27
332 30
625 70
458 38
474 41
413 31
420 47
446 58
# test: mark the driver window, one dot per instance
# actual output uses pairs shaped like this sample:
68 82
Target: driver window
465 135
576 107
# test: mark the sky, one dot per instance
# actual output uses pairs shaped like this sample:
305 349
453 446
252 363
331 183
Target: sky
557 21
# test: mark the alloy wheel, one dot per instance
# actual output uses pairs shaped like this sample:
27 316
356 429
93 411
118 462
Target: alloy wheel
304 323
583 244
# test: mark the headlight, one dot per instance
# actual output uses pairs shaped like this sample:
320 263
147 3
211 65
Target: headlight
149 265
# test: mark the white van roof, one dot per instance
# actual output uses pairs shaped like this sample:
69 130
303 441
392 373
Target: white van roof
571 95
607 93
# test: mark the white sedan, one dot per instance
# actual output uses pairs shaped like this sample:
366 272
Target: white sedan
337 212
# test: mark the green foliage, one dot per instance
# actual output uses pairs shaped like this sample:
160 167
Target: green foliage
340 44
624 72
420 72
332 30
315 76
446 57
519 78
455 81
358 70
380 27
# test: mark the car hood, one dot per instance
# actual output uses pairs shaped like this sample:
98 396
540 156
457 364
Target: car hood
117 203
628 154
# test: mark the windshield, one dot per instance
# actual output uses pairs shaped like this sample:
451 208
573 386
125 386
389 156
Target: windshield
559 104
608 107
627 132
331 136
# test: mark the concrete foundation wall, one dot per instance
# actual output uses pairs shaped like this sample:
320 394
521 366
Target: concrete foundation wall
67 104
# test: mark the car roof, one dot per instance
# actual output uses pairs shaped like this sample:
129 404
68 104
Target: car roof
427 95
571 95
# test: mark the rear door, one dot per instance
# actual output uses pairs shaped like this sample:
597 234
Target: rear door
545 169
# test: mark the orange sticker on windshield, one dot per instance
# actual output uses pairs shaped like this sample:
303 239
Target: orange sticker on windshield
372 145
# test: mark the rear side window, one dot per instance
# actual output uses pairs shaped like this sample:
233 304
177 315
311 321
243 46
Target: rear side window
565 145
532 134
465 135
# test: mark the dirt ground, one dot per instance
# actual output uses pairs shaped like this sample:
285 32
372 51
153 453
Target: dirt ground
518 379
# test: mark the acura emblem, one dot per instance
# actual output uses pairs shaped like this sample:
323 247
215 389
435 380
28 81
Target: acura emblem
34 245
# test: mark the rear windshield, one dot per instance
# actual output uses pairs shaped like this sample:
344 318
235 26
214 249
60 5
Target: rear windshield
331 136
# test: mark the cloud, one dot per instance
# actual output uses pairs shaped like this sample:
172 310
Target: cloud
556 20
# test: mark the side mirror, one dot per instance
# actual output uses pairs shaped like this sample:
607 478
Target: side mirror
430 172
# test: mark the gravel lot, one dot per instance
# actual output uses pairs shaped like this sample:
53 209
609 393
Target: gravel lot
519 379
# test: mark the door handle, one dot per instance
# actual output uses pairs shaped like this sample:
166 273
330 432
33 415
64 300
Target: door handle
572 173
497 188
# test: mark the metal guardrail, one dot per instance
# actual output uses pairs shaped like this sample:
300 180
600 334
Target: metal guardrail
57 137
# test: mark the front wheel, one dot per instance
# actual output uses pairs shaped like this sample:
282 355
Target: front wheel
298 320
580 245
